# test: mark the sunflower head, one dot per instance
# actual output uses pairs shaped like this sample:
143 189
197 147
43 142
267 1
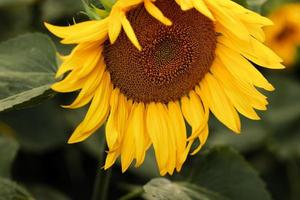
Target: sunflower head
150 67
284 37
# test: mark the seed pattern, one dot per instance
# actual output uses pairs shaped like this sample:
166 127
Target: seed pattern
174 58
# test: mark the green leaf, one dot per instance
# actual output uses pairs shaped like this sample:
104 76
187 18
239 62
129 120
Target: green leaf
221 174
225 172
46 193
284 106
40 128
8 151
15 2
253 135
11 191
11 25
27 68
256 5
241 2
163 189
53 10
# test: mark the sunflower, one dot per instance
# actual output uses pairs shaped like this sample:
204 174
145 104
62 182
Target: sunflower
151 69
284 37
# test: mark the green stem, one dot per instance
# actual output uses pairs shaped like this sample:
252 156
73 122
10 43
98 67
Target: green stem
102 181
133 194
293 172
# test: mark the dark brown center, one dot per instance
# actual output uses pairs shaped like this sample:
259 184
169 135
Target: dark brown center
174 58
285 33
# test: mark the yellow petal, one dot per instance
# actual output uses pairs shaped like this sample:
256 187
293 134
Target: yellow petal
157 129
225 18
88 88
257 32
185 4
69 84
251 95
202 8
127 3
237 97
97 112
156 13
215 98
111 159
115 25
180 136
194 113
95 59
82 32
80 55
171 145
130 32
202 140
244 14
112 130
135 132
242 68
254 51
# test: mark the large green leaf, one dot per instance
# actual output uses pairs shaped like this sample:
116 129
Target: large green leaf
253 135
8 151
284 106
42 192
11 191
223 171
220 174
40 128
15 2
163 189
283 117
53 10
27 66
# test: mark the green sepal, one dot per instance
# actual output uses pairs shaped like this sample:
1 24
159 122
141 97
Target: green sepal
107 4
101 12
90 11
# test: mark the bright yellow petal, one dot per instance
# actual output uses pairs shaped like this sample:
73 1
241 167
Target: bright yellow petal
225 18
69 84
157 129
180 136
244 14
97 112
156 13
194 113
185 4
202 140
115 25
215 98
254 51
111 159
112 130
237 97
88 89
130 32
127 3
242 68
202 8
93 30
251 95
136 137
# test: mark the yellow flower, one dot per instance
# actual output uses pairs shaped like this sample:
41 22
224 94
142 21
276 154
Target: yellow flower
152 67
284 37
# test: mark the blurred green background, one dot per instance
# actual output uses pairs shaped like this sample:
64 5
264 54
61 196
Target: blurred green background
37 163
